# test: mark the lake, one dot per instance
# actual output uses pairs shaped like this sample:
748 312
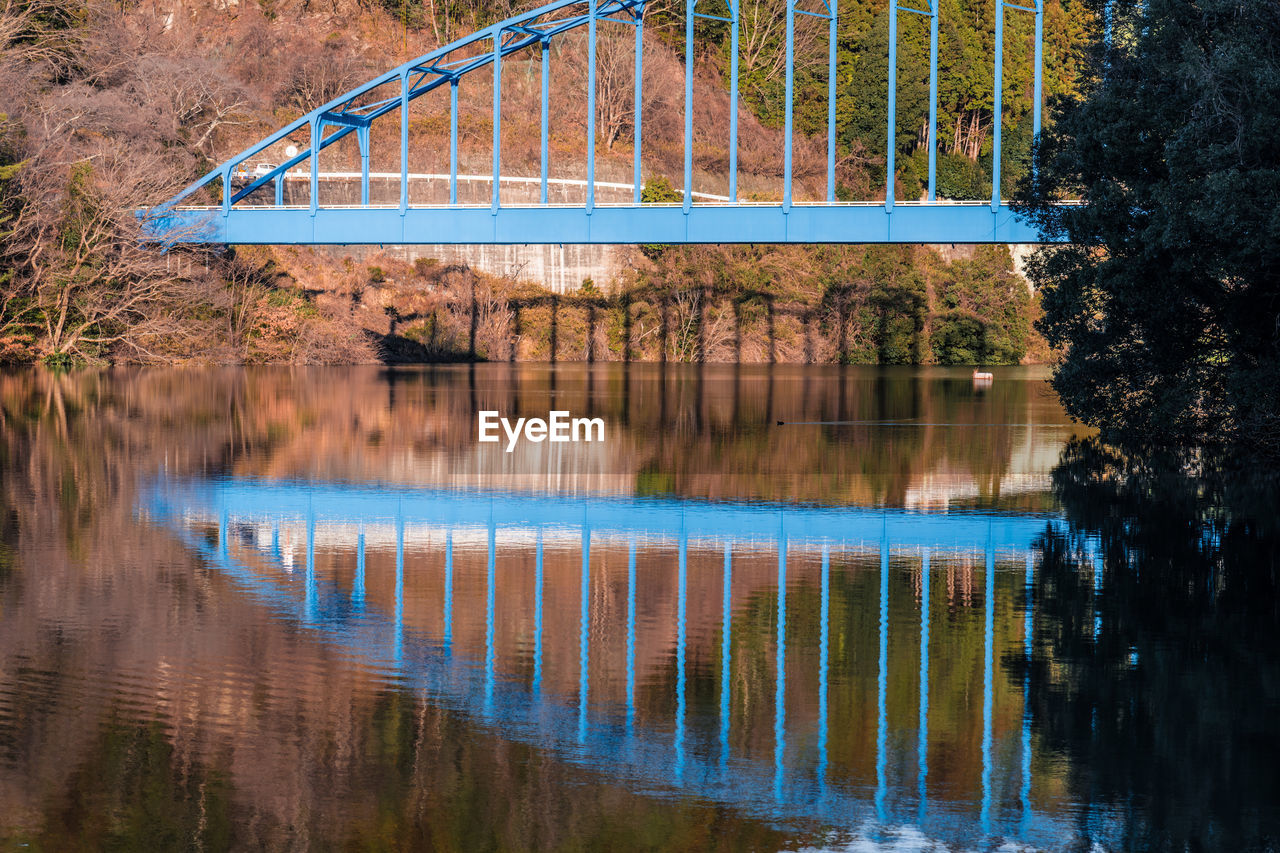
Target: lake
781 607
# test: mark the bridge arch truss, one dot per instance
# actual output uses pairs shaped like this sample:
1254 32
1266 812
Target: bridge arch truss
240 217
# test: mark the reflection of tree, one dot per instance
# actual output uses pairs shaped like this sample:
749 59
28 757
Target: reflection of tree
1170 713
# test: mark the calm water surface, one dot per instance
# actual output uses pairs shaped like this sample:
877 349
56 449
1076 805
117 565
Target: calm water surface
305 609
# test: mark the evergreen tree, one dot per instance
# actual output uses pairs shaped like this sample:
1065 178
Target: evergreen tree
1167 300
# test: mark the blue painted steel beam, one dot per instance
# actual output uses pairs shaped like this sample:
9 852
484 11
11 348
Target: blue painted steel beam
616 224
546 118
341 110
362 134
788 119
497 121
997 114
933 100
688 104
453 141
831 100
637 120
345 119
591 106
735 27
891 146
404 143
631 224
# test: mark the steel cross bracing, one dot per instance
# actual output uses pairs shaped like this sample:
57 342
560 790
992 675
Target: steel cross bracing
236 221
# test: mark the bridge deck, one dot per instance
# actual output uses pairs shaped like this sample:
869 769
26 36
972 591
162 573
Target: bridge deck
921 222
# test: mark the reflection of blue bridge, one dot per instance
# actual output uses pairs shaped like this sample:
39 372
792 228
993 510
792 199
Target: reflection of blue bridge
604 737
252 206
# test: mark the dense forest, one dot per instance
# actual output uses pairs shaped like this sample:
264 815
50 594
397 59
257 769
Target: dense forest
111 107
1166 298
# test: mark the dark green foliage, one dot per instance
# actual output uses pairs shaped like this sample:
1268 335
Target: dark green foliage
134 793
1168 300
658 190
899 298
986 315
966 47
960 177
1173 695
959 338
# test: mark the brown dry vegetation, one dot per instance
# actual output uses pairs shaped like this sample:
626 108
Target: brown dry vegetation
749 304
111 108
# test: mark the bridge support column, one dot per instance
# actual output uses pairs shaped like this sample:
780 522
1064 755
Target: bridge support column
497 119
637 121
734 28
691 7
1038 86
788 120
996 117
591 105
404 143
891 149
833 7
362 137
453 141
546 128
933 100
317 128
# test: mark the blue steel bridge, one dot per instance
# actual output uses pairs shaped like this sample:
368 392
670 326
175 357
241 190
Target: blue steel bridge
240 527
255 208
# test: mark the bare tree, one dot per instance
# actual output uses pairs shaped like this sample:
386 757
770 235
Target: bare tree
91 281
201 97
320 74
615 80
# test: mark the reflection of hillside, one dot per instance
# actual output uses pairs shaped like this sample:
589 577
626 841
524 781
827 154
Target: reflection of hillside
145 691
706 432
